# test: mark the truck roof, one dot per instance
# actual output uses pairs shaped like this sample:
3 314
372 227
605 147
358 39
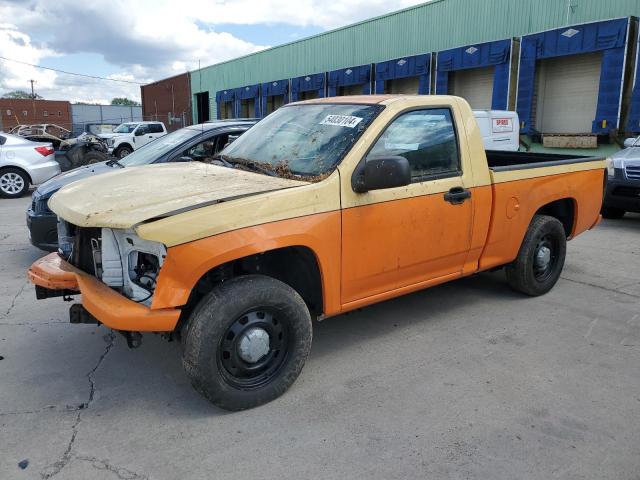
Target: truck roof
372 99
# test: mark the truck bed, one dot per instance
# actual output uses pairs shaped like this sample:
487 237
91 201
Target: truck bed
502 161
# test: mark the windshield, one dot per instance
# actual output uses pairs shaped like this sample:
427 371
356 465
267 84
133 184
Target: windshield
126 128
154 150
303 140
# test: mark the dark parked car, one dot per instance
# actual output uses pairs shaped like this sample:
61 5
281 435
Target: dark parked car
198 142
623 181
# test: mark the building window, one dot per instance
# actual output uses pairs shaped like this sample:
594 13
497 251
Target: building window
24 113
45 114
8 113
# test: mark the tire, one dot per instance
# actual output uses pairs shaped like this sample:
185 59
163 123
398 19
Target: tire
94 157
14 183
612 212
213 357
123 151
528 273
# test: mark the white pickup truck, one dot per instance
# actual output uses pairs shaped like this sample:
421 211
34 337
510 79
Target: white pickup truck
130 136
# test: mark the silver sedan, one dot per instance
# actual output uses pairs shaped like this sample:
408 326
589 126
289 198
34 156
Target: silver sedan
24 163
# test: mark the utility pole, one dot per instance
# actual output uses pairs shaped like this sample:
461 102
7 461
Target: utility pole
33 99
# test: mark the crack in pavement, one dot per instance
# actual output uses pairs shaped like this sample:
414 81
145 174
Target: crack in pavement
13 300
613 290
32 324
120 472
56 467
48 408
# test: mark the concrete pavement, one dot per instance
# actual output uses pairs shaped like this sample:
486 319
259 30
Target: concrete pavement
463 381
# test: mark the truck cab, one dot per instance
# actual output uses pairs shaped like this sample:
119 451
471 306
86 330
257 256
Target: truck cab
130 136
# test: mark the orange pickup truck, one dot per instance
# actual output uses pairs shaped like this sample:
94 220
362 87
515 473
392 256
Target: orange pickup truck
322 207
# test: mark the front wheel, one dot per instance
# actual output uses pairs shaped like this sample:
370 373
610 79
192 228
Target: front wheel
123 151
539 263
14 183
247 341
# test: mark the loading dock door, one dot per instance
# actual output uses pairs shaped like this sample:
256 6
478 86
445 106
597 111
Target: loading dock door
350 90
273 103
226 110
475 85
567 93
409 85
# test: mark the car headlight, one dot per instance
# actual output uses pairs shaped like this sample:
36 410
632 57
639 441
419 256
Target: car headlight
611 171
127 263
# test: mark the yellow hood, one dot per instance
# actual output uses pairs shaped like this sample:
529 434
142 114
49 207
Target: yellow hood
131 195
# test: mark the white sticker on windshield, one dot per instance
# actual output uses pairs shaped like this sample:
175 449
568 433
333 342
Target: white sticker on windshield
341 121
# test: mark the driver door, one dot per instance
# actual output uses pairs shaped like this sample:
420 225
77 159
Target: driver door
398 237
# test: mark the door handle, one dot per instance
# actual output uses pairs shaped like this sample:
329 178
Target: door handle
457 195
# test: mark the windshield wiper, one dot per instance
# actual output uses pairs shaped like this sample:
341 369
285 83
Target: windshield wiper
115 161
230 162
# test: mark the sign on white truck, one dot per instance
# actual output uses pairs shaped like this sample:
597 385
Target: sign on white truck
500 129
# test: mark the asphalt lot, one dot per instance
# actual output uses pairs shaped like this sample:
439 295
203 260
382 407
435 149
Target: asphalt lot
464 381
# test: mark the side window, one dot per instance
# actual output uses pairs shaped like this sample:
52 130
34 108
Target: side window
203 151
142 130
426 138
155 128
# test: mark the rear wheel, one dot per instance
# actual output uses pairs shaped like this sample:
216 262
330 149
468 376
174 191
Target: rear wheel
14 183
612 212
539 263
246 342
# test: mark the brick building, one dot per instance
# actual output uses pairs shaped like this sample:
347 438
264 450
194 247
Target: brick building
168 101
26 112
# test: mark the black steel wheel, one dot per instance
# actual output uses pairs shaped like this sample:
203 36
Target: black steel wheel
246 342
253 349
545 257
540 259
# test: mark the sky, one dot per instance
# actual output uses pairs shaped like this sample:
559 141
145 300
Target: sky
148 40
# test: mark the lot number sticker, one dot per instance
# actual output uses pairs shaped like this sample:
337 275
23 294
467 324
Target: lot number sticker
501 125
341 121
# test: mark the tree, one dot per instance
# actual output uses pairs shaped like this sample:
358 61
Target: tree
20 94
124 101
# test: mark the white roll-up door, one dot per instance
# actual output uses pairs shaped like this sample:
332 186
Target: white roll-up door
567 93
474 85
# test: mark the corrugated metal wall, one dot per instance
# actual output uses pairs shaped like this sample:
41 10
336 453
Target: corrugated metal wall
434 26
83 114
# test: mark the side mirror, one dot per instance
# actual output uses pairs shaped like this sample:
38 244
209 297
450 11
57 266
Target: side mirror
382 172
183 159
629 142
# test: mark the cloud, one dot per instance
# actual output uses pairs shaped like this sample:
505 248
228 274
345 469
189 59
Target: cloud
147 40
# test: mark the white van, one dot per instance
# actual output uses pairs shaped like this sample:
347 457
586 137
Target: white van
500 129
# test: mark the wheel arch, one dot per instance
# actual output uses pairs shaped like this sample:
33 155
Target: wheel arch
563 209
123 144
295 265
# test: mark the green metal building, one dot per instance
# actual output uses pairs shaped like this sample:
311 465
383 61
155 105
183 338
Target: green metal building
489 51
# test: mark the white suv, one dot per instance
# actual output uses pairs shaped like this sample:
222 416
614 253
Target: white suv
130 136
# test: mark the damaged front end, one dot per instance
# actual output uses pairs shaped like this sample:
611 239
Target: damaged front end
116 272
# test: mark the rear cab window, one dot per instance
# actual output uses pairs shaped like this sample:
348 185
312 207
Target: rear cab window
427 139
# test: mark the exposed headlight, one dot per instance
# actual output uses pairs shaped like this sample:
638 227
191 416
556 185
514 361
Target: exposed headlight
128 263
